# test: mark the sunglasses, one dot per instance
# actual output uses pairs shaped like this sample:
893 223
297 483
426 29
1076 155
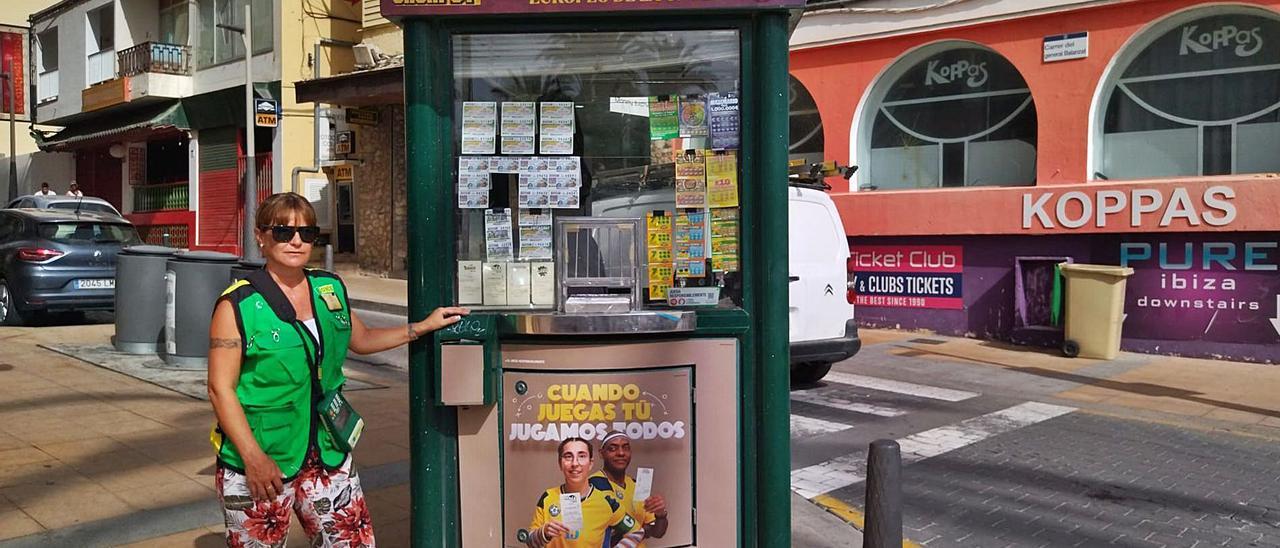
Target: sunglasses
284 233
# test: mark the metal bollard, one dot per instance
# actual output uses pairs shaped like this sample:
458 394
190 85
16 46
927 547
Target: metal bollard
884 496
328 257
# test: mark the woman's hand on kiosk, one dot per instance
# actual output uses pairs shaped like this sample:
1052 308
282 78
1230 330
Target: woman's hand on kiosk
442 317
263 476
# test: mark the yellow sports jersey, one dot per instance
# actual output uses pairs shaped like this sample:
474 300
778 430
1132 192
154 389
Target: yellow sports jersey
626 494
604 519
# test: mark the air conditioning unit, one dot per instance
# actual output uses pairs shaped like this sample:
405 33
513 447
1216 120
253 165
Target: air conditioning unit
365 55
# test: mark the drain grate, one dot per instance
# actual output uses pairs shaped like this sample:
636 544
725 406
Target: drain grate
927 341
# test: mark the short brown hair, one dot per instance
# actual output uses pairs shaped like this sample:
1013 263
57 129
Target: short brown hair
591 452
278 208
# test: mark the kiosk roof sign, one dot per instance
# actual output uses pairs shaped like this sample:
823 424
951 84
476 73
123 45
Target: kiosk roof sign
416 8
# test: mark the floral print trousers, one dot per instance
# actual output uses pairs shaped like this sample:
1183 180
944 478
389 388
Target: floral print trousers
330 504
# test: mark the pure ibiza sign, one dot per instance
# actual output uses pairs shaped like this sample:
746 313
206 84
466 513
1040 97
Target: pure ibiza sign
974 73
1246 42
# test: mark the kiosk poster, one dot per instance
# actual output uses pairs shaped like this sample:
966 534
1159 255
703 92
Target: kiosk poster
723 119
658 243
691 179
724 240
607 437
479 127
693 116
722 180
908 276
555 127
664 119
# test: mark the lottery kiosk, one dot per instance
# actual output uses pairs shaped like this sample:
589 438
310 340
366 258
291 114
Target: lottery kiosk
604 184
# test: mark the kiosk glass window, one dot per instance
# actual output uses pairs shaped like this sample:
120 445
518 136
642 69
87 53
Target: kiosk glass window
638 125
1199 96
950 115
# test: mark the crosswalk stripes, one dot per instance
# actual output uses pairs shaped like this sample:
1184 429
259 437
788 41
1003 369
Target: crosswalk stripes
802 426
846 470
899 387
838 401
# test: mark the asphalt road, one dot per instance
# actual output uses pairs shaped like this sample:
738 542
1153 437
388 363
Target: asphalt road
991 459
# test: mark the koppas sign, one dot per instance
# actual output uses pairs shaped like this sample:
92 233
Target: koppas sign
1177 207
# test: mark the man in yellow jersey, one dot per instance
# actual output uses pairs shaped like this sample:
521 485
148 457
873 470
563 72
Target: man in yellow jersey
615 451
605 523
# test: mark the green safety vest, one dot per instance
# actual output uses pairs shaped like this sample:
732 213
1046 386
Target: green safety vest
284 371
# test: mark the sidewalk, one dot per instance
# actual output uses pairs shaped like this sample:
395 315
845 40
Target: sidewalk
91 457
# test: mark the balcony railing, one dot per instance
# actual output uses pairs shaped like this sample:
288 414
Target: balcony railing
156 57
100 67
47 86
149 198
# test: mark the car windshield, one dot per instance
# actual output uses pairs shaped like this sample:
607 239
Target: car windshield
89 232
87 207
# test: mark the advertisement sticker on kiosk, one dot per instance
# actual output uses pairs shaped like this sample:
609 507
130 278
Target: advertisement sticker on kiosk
651 411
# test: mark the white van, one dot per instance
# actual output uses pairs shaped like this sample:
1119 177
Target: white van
821 316
822 328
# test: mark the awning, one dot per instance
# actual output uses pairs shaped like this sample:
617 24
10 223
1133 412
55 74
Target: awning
225 107
381 86
117 126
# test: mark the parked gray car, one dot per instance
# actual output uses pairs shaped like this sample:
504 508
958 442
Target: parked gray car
86 204
56 261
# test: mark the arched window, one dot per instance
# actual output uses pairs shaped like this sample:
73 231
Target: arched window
806 125
1196 94
951 114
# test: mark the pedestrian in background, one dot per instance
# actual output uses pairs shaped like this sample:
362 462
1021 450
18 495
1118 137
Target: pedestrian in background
44 190
285 432
74 190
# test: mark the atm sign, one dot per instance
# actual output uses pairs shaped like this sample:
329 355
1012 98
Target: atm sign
265 113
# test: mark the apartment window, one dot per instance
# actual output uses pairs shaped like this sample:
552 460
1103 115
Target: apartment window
174 27
102 29
1198 94
952 114
47 65
219 46
100 62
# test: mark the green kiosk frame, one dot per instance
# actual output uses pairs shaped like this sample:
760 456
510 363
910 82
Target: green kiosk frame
697 380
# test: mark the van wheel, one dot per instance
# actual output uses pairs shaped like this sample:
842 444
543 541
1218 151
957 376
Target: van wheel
9 314
809 373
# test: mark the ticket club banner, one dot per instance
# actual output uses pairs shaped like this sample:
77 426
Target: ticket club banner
653 408
907 276
410 8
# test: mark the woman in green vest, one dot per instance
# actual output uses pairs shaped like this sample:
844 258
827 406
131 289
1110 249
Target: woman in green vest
284 432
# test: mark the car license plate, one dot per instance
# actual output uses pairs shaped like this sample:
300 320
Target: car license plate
95 284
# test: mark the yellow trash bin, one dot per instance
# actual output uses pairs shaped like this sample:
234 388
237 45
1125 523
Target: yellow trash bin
1095 309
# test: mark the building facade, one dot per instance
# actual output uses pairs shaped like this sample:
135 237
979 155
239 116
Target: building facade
150 96
995 140
365 147
33 165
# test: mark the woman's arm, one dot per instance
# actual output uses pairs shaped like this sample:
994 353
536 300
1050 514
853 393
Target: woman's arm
368 340
225 349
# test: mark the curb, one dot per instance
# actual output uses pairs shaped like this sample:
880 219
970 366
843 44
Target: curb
377 306
850 515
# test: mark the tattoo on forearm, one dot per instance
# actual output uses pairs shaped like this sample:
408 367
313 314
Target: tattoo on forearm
224 343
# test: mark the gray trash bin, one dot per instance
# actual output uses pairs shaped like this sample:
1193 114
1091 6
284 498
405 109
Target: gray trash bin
246 267
194 281
140 272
